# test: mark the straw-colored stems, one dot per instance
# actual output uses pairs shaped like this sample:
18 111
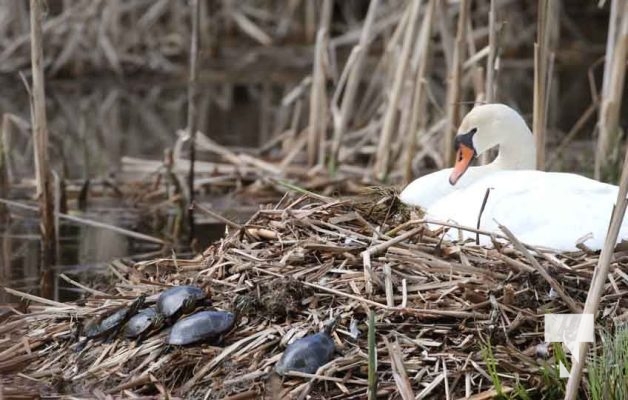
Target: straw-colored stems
489 91
399 371
318 96
541 58
492 52
453 84
418 118
382 158
348 99
612 94
40 140
4 161
372 354
192 111
600 275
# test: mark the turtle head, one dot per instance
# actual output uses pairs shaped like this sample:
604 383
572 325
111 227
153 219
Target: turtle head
158 320
137 303
330 325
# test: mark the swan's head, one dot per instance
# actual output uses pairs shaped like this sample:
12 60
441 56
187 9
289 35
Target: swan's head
485 127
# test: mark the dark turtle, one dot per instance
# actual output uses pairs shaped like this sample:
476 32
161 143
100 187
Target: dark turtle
179 300
309 353
203 325
143 322
113 322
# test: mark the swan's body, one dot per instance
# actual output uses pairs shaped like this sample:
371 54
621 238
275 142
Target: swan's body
546 209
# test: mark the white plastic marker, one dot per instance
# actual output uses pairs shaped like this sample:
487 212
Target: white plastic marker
571 329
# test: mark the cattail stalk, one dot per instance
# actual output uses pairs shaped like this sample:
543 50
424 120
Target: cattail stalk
40 140
418 119
192 110
612 88
453 84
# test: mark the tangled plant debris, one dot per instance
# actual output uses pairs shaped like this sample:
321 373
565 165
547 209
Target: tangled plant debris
439 307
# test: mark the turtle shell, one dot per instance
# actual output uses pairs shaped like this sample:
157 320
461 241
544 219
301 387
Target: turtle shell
200 326
307 354
142 322
179 299
113 321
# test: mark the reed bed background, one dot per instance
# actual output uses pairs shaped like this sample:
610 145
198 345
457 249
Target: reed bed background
364 76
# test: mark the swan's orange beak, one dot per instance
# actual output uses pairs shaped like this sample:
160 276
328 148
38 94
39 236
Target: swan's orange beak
464 155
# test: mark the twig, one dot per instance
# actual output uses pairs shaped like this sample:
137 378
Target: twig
477 234
563 295
88 222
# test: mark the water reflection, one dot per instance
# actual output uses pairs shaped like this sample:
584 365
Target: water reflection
93 125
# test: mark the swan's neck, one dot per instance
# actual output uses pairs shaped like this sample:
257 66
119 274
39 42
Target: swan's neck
518 152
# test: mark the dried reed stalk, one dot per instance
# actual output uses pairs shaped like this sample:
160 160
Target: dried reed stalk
612 89
453 84
351 88
382 158
40 140
192 109
4 160
600 275
489 92
318 95
418 118
541 59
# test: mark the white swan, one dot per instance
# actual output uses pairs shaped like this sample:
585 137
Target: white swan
548 209
500 125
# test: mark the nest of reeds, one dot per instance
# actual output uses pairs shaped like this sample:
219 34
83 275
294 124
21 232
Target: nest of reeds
450 319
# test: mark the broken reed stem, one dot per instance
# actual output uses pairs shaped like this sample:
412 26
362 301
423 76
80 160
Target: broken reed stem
612 89
40 140
540 80
418 118
382 158
453 85
351 89
600 275
192 111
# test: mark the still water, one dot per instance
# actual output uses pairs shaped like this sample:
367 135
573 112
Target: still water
93 125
